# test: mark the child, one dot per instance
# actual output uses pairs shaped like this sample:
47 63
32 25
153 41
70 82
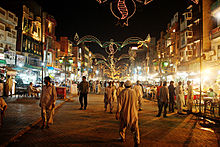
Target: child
3 107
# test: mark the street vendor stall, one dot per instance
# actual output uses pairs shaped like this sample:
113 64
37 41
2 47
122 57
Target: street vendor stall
61 92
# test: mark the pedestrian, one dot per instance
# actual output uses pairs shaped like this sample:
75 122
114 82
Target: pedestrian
119 89
171 89
108 97
114 89
179 97
3 107
47 102
127 113
83 92
189 100
8 86
158 93
139 94
163 100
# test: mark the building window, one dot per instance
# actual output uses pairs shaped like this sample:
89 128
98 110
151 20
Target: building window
2 12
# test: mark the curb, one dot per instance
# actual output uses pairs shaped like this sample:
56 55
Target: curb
23 131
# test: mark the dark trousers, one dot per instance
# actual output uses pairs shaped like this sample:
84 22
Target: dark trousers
81 97
161 106
171 103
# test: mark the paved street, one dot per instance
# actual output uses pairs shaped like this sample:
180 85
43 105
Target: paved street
94 127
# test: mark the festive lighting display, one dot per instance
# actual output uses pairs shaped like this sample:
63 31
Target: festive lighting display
124 12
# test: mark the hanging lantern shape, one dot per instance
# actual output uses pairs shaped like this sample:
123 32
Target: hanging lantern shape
71 61
61 60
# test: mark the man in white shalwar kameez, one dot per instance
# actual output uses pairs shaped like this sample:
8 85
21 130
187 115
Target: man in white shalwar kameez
139 94
108 97
179 97
189 100
127 113
47 102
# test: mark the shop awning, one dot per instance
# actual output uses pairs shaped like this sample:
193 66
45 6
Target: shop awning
2 62
33 67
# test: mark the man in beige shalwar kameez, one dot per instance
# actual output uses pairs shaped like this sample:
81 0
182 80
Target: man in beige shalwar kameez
47 102
108 97
127 113
139 94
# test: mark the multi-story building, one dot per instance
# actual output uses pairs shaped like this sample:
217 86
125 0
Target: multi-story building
8 37
29 41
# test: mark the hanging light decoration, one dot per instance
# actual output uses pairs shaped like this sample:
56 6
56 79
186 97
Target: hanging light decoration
123 10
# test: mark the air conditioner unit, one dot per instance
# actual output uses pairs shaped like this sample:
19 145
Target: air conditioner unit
189 34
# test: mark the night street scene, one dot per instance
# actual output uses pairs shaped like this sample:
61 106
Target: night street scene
110 73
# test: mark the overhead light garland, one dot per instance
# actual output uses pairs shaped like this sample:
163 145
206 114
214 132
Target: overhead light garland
123 13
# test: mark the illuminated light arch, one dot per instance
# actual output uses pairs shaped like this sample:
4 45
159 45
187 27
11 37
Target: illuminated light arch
131 40
89 38
100 56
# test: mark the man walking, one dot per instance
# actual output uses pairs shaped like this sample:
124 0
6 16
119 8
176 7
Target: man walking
8 87
189 101
83 90
47 101
127 113
108 97
139 94
179 97
171 96
163 100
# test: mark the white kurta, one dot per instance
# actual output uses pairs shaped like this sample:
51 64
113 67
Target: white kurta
179 98
139 94
127 107
189 101
48 98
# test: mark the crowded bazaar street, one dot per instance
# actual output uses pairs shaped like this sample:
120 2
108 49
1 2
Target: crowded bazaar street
94 127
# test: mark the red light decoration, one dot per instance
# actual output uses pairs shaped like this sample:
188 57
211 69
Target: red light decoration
123 9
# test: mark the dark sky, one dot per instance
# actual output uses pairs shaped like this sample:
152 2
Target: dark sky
88 17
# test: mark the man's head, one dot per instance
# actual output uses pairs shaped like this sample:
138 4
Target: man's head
179 83
47 80
171 82
138 82
128 84
84 78
121 84
188 82
164 83
110 84
31 83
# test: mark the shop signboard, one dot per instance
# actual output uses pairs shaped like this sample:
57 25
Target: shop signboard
73 89
10 57
20 60
34 61
2 56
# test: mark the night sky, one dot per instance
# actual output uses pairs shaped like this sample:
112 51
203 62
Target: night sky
88 17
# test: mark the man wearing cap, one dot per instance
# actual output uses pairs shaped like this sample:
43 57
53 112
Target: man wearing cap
139 94
127 113
47 101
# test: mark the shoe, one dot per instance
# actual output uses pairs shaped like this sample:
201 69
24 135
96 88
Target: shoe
121 140
80 108
165 116
157 115
85 108
47 127
43 126
140 109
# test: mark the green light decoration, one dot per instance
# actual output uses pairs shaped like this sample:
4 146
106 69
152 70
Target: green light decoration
165 63
70 61
61 60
